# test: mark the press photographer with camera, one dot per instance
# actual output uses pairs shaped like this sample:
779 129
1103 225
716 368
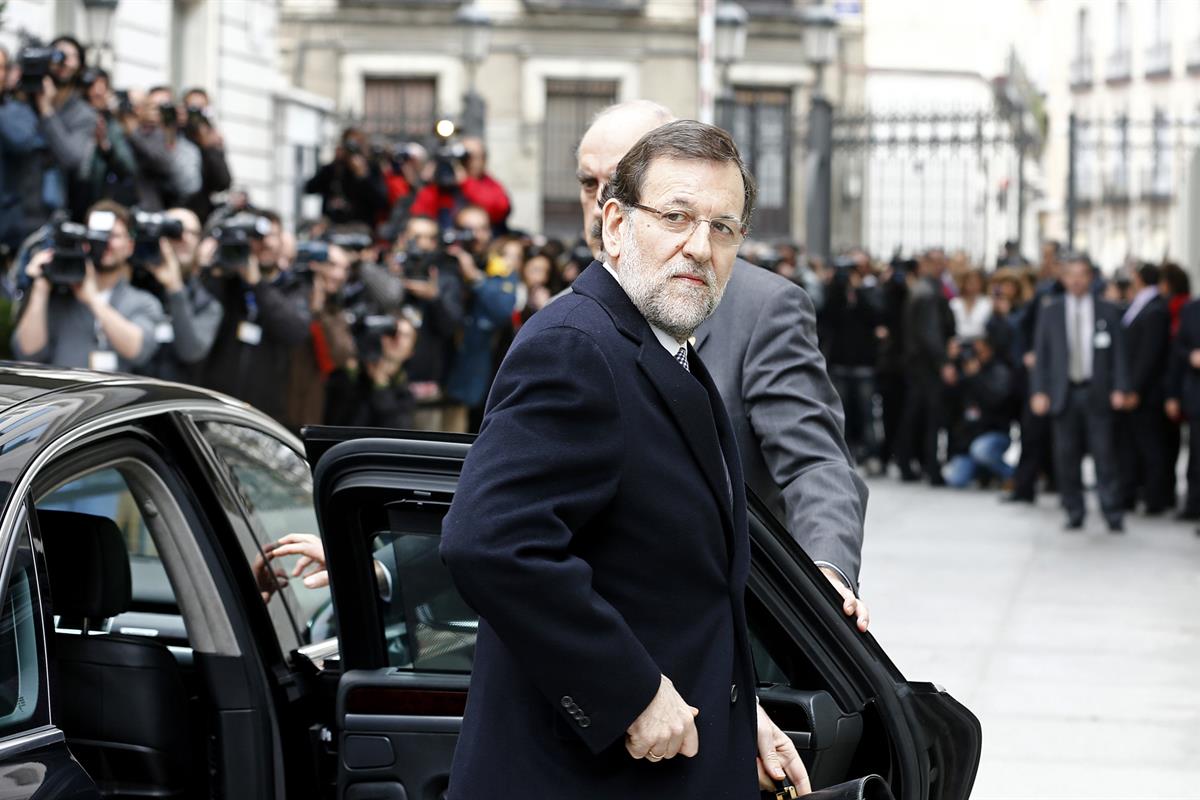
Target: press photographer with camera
261 322
81 310
352 188
168 163
24 204
110 167
166 249
372 391
200 130
330 345
986 394
460 179
67 121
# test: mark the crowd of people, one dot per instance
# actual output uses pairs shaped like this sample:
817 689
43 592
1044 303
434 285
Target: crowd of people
1005 378
126 248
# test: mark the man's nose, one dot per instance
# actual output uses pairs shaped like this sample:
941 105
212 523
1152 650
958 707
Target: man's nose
698 247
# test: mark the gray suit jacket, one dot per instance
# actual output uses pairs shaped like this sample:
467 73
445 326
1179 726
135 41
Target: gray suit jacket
761 347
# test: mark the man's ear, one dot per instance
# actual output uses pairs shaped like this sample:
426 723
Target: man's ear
612 217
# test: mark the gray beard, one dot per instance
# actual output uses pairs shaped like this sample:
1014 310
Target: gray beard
672 306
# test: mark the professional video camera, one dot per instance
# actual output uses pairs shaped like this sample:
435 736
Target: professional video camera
235 235
169 114
351 241
449 152
35 62
148 228
368 331
73 245
458 236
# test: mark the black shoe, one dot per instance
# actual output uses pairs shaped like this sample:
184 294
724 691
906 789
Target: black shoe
908 476
1155 511
937 481
1013 497
1116 526
1074 524
1188 515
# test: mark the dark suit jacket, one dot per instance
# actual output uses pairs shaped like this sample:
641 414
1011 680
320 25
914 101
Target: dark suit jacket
928 327
1110 364
1148 341
600 530
1183 380
761 347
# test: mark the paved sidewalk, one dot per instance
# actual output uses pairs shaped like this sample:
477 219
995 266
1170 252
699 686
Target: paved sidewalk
1079 652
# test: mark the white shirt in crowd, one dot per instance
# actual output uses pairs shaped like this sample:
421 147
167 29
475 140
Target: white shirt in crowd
971 324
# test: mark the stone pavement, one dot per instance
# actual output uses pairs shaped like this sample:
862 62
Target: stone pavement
1079 652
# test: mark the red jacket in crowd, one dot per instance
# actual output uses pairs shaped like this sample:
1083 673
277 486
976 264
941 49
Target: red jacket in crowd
484 191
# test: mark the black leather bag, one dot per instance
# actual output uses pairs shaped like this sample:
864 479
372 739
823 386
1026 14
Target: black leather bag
872 787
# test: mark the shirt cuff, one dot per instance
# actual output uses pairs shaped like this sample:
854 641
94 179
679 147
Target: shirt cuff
385 590
849 583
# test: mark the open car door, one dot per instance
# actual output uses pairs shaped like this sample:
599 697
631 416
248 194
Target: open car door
408 640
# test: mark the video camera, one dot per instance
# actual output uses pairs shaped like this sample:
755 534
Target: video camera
35 62
449 153
73 244
458 236
234 238
416 264
368 331
148 228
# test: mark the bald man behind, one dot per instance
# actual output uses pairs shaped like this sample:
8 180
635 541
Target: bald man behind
761 347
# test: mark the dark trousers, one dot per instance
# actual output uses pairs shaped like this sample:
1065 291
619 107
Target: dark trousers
923 418
1144 466
1192 505
856 387
892 390
1036 457
1078 429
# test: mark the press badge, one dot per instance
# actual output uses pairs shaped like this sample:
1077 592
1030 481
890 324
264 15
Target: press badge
102 361
164 333
1103 340
249 333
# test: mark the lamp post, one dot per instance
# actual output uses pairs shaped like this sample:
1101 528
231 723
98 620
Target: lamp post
729 46
476 26
100 14
820 46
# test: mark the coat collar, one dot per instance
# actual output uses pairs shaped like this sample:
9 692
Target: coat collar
692 400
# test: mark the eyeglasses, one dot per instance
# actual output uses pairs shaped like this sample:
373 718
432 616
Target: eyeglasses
722 231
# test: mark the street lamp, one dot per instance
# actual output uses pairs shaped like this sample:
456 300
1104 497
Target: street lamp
476 27
820 47
100 14
729 45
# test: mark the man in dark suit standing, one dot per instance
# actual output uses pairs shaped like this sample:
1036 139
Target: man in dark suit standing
1183 398
928 328
760 346
600 529
1142 428
1081 376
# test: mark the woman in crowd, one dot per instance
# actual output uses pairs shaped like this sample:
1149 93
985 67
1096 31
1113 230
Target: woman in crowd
972 308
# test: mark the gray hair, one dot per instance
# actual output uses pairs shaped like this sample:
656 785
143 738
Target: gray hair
686 140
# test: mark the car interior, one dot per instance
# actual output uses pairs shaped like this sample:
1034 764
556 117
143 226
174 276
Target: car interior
135 628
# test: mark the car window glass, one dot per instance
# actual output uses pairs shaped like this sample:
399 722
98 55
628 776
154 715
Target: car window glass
428 627
105 493
22 706
274 484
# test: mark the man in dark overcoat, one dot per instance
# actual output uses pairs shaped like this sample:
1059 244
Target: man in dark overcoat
599 527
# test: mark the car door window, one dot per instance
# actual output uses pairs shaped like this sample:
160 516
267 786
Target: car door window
428 627
22 671
274 485
105 493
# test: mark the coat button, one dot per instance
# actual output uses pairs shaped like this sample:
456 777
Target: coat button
733 694
567 701
584 722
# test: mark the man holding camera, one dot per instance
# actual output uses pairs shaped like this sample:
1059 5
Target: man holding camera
986 391
186 337
101 321
372 391
351 187
472 186
261 323
199 129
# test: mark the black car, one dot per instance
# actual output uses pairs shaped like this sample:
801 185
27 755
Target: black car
148 649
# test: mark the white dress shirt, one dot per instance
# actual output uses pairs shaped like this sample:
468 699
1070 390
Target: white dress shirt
1084 306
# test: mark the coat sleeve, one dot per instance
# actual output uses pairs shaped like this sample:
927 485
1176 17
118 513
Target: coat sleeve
1122 374
69 140
487 193
796 417
1039 376
1146 364
195 321
548 460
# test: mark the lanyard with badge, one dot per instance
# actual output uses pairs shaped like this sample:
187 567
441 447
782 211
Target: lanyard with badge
103 358
248 330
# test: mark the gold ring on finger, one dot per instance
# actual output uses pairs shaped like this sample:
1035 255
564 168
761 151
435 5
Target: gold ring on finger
653 756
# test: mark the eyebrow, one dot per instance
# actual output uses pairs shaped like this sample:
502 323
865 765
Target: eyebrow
584 177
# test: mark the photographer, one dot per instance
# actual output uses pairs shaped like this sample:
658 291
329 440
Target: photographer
67 121
330 345
352 189
199 129
25 205
100 321
168 164
186 337
110 166
985 382
852 316
372 391
261 323
462 182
